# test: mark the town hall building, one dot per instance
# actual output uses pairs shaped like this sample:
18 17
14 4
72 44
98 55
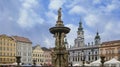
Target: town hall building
80 52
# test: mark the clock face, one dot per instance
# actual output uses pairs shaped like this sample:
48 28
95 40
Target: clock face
80 33
80 36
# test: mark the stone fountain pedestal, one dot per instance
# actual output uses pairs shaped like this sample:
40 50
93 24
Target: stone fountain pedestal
59 53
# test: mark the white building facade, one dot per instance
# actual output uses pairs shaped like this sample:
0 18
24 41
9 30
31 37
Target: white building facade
80 51
24 49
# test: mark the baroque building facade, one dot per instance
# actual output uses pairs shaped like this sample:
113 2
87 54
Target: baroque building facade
110 49
7 49
80 51
23 49
47 56
41 55
37 55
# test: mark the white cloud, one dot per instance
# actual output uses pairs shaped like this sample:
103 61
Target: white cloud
27 16
71 3
51 17
27 4
56 4
49 42
109 26
96 1
111 31
91 20
78 10
72 34
10 18
89 36
112 6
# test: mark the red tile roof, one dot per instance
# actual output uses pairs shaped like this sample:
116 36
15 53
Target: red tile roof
22 39
111 42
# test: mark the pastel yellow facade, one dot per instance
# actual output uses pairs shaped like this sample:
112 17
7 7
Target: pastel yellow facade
37 55
7 50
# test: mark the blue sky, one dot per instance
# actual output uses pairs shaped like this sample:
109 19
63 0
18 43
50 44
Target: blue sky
33 18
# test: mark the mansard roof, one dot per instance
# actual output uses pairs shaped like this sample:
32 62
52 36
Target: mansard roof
111 42
22 39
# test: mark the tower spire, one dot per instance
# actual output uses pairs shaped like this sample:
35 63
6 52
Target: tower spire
66 43
97 35
97 38
79 41
80 25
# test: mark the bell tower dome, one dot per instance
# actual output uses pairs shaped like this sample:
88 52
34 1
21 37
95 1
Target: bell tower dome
79 41
97 39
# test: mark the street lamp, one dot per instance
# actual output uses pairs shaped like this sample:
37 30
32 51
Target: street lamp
34 62
78 56
18 60
102 60
83 57
70 63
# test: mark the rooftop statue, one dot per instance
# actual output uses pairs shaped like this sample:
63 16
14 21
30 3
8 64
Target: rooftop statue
59 14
